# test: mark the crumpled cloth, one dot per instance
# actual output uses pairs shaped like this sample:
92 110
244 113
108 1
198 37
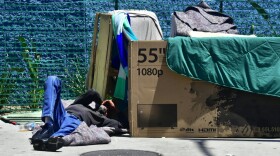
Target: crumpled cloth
85 135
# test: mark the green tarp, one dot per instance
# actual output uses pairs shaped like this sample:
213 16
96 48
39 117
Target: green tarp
245 63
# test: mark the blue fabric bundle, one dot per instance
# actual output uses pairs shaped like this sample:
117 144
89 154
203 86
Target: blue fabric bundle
121 26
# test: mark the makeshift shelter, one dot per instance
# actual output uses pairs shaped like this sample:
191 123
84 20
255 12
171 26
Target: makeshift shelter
164 103
143 23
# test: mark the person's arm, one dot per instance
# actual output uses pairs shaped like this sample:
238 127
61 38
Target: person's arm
108 103
109 109
88 98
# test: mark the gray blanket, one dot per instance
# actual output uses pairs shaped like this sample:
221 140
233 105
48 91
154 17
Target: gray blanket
201 18
85 135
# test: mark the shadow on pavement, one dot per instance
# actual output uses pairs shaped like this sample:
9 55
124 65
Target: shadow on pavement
120 152
202 141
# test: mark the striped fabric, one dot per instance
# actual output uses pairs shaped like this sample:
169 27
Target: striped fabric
121 26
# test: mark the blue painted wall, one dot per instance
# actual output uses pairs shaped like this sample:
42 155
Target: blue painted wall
62 31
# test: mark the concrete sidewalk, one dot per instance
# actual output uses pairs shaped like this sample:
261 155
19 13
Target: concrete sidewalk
14 142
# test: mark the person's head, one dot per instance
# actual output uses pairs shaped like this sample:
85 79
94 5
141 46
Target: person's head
108 108
103 110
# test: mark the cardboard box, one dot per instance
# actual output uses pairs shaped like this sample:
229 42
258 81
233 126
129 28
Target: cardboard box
161 104
100 74
165 104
